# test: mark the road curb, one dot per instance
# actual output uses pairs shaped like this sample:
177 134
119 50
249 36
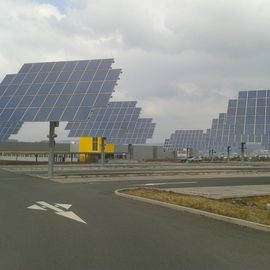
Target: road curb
134 177
237 221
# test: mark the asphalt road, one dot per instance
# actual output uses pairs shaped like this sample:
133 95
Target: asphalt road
120 233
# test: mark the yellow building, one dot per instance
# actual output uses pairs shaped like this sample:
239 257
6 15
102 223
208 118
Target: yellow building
91 147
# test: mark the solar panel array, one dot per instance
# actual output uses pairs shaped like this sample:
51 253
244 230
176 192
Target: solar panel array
138 134
8 129
118 122
220 134
111 121
247 120
186 138
250 115
73 91
166 144
57 91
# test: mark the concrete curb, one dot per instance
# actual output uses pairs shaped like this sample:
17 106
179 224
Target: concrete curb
85 178
237 221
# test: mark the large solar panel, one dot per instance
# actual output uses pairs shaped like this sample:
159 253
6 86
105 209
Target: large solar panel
249 116
220 135
111 121
247 120
57 91
181 139
166 144
7 129
143 130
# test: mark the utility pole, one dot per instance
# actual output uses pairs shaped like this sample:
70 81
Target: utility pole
228 153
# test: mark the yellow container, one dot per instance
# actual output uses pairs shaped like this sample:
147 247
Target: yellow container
93 145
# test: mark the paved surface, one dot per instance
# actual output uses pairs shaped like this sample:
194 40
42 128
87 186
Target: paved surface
120 233
225 191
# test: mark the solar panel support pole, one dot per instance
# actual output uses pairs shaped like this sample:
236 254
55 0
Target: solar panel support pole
188 154
228 153
130 152
51 137
243 147
103 145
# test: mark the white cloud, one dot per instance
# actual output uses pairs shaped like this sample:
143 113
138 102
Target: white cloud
181 59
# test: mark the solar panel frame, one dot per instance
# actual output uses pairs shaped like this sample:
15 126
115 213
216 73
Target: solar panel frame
143 130
181 139
57 91
112 120
247 120
9 128
249 117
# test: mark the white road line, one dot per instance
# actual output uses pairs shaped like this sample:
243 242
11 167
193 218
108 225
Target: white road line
168 183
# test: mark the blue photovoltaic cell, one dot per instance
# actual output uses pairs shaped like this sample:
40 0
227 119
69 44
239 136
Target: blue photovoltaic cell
57 91
247 120
181 139
137 134
220 135
7 129
112 120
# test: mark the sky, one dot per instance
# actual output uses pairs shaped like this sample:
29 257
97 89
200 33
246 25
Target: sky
182 60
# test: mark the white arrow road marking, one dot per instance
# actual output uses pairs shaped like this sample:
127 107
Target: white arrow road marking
36 207
64 205
47 205
41 205
71 215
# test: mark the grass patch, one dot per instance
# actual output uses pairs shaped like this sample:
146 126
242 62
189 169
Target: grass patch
247 208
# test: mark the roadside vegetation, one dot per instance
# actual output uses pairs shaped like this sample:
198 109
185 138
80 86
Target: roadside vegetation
247 208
